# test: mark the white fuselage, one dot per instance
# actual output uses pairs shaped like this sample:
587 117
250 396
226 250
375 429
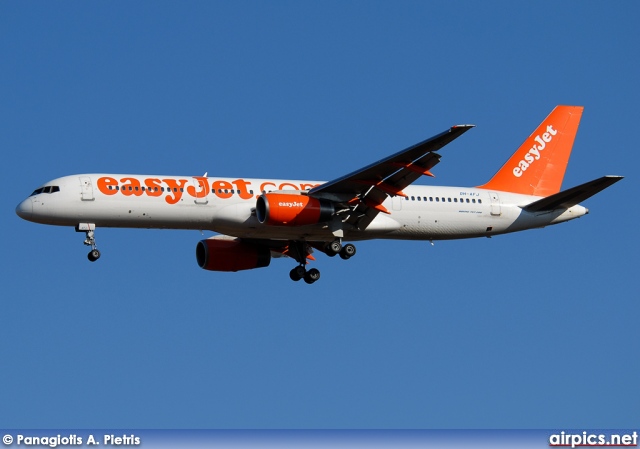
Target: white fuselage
227 206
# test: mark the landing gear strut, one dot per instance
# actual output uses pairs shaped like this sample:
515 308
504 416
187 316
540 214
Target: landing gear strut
90 240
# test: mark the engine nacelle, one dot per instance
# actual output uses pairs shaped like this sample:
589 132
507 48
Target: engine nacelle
282 209
217 254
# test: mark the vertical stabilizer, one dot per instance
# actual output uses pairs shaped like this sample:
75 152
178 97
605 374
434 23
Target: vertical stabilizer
538 166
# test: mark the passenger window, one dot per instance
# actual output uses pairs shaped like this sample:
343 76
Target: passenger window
467 200
437 199
430 198
413 198
480 201
449 199
473 201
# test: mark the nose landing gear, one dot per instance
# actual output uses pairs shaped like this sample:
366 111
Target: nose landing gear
90 240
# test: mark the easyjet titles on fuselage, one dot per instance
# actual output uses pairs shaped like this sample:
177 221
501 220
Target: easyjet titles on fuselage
197 187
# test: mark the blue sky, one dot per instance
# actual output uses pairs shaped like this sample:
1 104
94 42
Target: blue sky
532 330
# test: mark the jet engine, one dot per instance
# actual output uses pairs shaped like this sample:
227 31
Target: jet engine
283 209
229 254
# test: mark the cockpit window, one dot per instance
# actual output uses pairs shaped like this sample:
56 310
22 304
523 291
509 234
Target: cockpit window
46 189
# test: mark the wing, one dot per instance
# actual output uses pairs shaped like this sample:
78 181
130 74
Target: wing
362 192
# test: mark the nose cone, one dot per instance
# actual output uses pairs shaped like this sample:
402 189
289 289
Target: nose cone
25 209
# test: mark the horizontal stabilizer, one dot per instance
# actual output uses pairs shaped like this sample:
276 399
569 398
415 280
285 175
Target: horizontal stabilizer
572 196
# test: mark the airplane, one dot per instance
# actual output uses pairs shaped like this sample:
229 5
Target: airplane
258 219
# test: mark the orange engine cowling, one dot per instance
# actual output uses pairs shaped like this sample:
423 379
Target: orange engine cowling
231 255
281 209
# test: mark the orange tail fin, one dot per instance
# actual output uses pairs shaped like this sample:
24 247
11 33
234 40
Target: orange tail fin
538 166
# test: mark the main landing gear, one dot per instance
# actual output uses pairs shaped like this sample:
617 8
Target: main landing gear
90 240
300 250
300 272
346 252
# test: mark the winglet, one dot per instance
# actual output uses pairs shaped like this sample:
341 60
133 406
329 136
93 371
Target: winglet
538 166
